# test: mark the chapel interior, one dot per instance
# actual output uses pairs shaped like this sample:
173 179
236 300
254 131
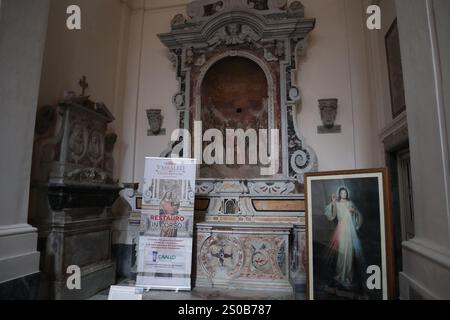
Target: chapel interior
82 109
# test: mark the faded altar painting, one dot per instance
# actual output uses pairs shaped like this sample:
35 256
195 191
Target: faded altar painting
234 96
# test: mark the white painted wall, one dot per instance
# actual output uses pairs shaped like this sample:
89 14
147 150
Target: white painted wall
22 37
425 44
97 51
335 66
150 83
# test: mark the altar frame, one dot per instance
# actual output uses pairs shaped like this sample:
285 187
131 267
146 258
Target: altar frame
272 36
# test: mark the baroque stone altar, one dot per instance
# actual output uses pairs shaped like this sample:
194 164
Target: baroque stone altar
72 191
250 229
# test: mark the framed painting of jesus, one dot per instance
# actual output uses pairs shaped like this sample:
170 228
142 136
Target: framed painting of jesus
349 235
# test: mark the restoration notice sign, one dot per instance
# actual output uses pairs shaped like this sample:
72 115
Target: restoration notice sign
167 224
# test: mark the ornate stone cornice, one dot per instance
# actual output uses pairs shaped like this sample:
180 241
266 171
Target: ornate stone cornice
154 4
395 125
198 34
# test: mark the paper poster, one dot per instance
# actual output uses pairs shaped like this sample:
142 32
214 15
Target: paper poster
167 224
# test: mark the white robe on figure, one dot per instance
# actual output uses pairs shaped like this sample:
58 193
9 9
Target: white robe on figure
345 242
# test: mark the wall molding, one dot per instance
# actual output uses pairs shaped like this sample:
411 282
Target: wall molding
394 126
407 283
440 100
429 250
18 254
16 230
425 275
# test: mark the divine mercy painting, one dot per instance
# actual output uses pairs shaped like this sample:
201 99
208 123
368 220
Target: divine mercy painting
348 224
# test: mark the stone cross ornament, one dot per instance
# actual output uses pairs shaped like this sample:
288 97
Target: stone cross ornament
84 85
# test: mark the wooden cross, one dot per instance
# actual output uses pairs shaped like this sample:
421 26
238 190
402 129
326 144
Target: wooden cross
84 85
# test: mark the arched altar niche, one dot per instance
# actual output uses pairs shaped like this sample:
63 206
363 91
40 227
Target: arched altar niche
234 95
240 55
